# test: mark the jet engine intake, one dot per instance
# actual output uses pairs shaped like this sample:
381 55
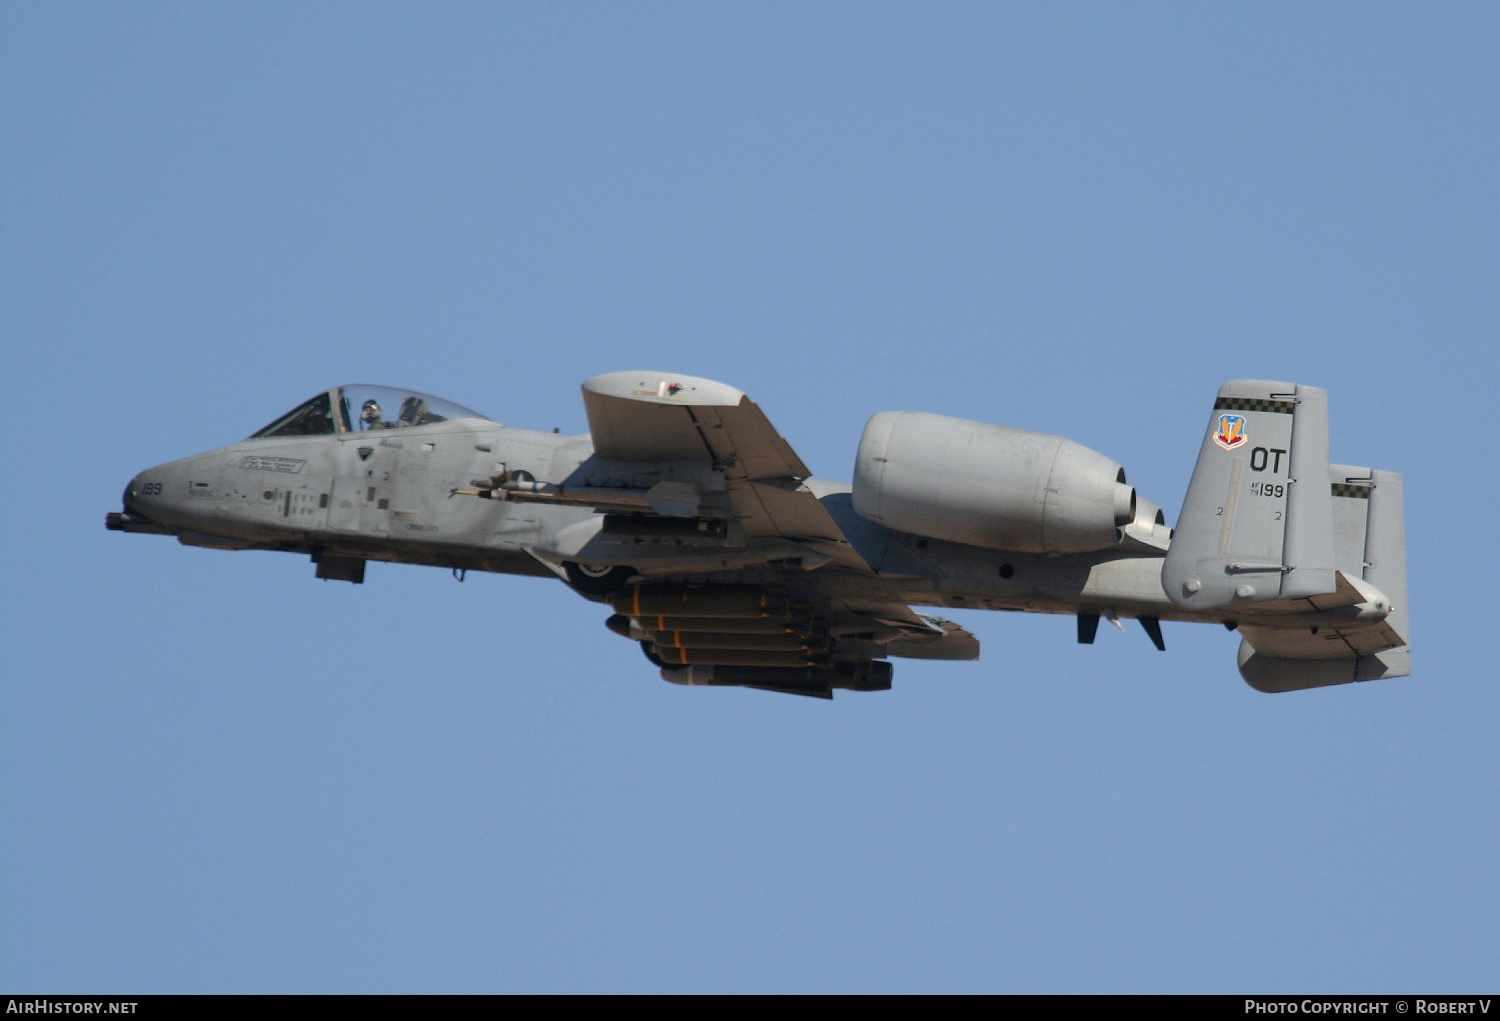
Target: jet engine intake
989 485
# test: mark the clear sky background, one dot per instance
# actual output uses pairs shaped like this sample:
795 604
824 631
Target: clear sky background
219 774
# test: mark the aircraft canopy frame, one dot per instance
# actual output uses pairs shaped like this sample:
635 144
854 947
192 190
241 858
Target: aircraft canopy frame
365 407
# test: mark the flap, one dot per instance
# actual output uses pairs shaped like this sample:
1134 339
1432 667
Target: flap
948 641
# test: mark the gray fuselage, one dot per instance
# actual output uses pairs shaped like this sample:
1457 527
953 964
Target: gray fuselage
393 495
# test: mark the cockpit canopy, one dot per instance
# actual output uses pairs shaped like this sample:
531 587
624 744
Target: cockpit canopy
362 408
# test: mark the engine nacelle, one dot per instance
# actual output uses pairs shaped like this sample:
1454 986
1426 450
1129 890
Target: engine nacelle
987 485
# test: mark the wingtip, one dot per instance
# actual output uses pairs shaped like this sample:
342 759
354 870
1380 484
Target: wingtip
663 388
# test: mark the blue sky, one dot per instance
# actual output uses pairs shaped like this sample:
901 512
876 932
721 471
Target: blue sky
218 774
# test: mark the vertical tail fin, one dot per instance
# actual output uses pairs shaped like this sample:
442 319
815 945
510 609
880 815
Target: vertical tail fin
1307 558
1257 523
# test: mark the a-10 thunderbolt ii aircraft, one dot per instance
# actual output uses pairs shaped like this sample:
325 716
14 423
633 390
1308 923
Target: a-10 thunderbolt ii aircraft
718 552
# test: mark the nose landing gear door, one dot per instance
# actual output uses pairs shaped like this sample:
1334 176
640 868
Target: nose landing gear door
362 485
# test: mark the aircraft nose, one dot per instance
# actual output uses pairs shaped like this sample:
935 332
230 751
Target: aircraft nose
127 498
133 518
153 492
172 495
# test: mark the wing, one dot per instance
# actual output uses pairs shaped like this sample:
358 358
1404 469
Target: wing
653 416
696 484
655 426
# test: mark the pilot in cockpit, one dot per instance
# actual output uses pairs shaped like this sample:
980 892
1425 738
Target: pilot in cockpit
414 411
370 416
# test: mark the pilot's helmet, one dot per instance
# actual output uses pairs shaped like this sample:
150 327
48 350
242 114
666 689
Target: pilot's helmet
370 411
413 411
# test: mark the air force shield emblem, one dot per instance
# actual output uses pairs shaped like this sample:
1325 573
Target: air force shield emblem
1231 432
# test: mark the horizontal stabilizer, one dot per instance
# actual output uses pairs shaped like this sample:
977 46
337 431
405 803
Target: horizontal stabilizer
1322 642
1273 674
1371 545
